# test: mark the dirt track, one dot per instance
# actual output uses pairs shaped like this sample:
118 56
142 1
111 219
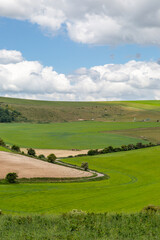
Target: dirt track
27 167
58 153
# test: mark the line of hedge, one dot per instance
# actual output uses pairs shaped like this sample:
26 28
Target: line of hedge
128 147
111 149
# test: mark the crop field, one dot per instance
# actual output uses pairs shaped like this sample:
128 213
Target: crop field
134 183
139 226
150 134
72 135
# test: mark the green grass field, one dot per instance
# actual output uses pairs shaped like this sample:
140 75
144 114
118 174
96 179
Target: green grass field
134 183
72 135
151 134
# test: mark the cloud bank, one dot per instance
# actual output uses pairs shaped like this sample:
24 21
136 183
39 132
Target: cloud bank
92 21
30 79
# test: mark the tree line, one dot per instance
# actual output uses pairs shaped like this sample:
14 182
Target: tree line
8 115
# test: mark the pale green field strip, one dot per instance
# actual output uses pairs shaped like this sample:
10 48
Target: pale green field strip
70 135
134 183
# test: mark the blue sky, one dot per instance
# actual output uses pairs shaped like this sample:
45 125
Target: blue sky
64 54
67 50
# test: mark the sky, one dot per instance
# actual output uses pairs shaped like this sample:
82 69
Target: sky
88 50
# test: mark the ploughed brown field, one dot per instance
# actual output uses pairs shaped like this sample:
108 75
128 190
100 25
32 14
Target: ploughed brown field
27 167
57 152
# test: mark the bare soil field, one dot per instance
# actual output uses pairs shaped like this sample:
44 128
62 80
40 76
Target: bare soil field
58 153
27 167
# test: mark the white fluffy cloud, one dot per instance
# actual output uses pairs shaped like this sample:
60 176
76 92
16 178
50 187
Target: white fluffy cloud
10 56
30 79
92 21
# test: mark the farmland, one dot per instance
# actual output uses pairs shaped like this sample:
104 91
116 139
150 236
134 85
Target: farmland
106 209
134 183
76 135
91 226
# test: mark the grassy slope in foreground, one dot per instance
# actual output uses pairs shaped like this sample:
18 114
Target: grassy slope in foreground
47 111
4 149
134 183
81 227
79 135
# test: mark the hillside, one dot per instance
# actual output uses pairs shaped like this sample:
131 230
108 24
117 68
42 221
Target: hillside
48 111
134 183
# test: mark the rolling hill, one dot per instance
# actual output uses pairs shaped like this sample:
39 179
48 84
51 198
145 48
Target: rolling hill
48 111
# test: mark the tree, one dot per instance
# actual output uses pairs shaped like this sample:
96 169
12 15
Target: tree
51 158
11 177
31 152
15 148
92 152
84 165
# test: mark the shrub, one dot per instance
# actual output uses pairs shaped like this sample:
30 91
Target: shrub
15 148
51 158
93 152
131 147
11 177
2 143
42 157
110 149
139 145
84 165
31 152
124 148
151 209
117 149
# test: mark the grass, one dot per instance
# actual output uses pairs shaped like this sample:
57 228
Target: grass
139 226
47 111
75 135
151 134
4 149
134 183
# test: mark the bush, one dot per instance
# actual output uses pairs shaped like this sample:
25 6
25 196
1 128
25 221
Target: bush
2 143
84 165
15 148
42 157
124 148
151 209
93 152
11 177
131 147
31 152
51 158
139 145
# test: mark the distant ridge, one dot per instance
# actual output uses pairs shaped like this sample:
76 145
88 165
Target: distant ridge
61 111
